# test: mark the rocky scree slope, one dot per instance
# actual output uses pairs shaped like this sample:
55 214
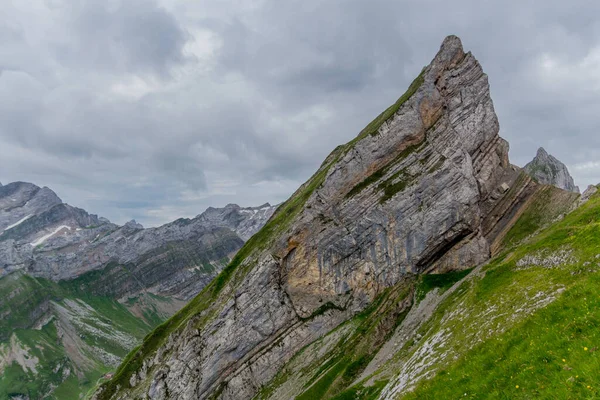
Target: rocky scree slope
427 187
77 292
548 170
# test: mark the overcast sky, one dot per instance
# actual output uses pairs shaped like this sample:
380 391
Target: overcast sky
155 110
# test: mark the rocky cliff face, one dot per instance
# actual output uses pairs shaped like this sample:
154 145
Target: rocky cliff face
548 170
426 187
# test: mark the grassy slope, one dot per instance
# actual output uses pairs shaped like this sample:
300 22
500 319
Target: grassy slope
209 299
21 298
521 330
344 353
45 345
548 205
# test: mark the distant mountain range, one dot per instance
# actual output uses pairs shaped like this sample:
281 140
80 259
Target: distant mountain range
77 292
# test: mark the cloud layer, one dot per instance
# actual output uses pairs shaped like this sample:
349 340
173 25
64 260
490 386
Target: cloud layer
155 110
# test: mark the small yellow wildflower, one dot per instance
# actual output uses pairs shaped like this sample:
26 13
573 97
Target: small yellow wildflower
589 387
564 360
585 349
517 386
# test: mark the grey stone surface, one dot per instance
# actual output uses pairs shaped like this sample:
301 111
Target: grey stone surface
587 194
548 170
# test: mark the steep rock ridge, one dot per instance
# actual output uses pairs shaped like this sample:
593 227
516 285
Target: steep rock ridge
425 187
548 170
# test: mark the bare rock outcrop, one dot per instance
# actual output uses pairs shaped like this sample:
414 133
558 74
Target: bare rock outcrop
548 170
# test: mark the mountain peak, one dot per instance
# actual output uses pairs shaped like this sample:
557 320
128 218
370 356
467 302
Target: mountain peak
133 224
450 53
452 42
424 188
548 170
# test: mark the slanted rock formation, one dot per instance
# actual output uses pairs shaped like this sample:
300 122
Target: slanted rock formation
426 187
548 170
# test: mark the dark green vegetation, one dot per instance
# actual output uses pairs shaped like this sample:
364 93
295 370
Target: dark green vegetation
359 392
443 282
395 183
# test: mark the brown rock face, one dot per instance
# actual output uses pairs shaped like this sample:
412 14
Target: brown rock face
426 187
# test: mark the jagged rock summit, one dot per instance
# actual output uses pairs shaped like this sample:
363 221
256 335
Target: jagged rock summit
426 187
548 170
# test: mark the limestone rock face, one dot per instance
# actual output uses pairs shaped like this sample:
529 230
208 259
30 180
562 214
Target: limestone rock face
426 187
548 170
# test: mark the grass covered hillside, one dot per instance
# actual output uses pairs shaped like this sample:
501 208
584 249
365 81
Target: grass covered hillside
526 326
61 341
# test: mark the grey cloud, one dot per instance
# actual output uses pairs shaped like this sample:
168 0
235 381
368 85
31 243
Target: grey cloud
127 35
314 47
155 110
